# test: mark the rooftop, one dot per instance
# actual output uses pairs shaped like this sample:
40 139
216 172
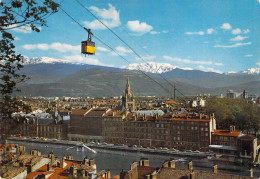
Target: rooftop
229 133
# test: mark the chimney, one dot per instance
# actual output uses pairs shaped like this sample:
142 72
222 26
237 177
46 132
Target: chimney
215 169
49 166
144 162
51 156
69 157
251 174
107 174
190 167
234 128
230 129
62 163
169 164
200 116
91 162
113 113
73 171
85 161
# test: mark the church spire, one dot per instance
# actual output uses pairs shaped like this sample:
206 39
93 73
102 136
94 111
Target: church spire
127 89
128 99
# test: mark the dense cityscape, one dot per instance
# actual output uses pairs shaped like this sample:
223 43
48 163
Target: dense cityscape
129 90
151 125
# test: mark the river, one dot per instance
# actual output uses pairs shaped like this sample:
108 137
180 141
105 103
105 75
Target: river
118 161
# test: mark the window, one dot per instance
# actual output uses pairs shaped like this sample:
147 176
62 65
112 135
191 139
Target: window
206 129
178 138
157 125
206 134
202 129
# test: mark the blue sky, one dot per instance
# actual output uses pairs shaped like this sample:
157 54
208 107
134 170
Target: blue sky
209 35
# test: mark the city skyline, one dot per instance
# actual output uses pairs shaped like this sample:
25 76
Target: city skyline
218 36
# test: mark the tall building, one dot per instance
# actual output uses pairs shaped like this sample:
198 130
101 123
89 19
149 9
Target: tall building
128 98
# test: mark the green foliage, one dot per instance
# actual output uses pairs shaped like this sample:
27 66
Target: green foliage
15 14
236 112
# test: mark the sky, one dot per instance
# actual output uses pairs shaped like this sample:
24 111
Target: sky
208 35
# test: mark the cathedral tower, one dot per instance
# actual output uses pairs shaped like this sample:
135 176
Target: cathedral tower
127 98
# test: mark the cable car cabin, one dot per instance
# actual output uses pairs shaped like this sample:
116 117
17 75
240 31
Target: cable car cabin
88 47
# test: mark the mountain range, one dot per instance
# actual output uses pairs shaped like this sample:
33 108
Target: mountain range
52 77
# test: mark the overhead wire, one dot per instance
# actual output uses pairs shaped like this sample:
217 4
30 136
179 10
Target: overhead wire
127 45
107 45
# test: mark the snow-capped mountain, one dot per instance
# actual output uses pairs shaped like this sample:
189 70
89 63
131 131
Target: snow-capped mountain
47 60
250 71
153 67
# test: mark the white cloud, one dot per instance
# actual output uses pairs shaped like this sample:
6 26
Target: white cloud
102 49
246 30
17 38
218 64
239 38
121 51
83 59
258 1
187 60
139 28
236 31
110 17
234 45
258 63
226 26
147 57
195 33
165 31
248 55
23 29
61 47
208 69
144 47
210 31
154 32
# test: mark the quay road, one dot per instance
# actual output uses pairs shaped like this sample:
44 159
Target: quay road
113 148
117 157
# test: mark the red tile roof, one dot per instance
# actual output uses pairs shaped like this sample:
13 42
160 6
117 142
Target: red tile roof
114 114
5 146
226 133
80 111
57 171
